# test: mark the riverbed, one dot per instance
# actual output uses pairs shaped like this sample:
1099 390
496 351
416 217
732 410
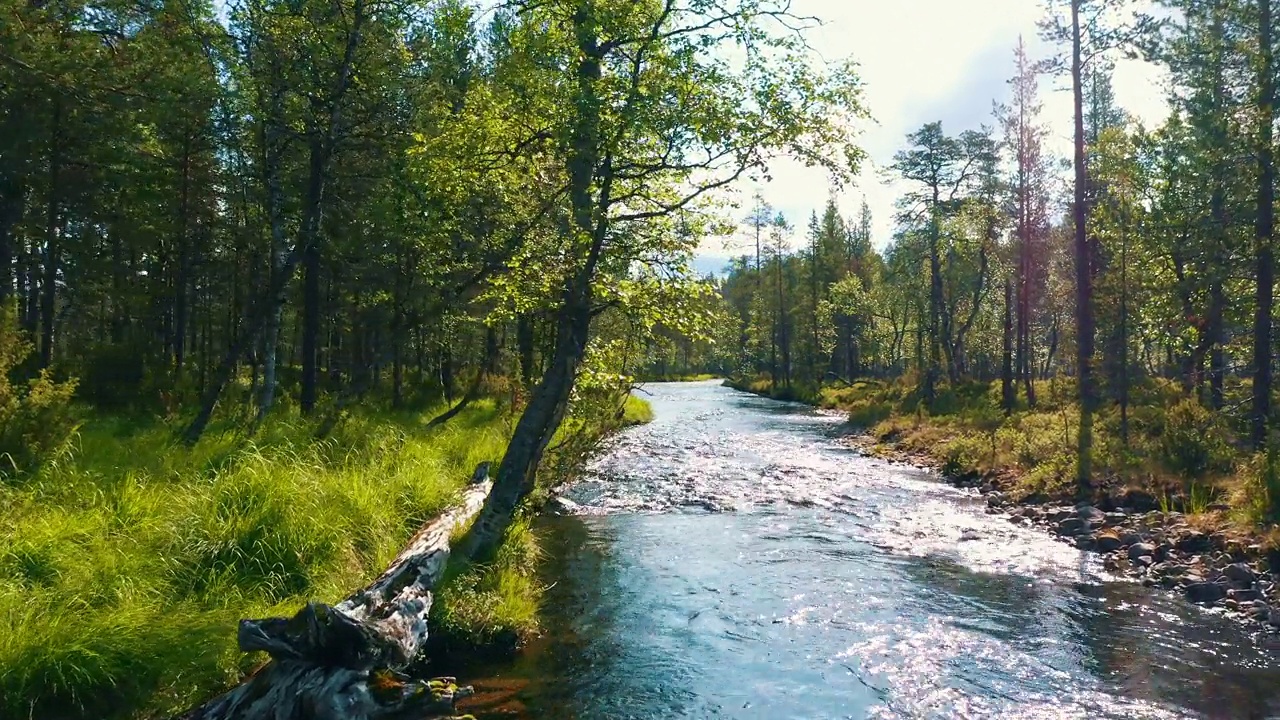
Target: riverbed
739 558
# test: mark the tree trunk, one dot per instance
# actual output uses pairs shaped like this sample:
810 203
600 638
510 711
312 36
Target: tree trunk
1263 252
1084 275
48 296
311 278
344 662
182 280
13 197
1007 388
524 342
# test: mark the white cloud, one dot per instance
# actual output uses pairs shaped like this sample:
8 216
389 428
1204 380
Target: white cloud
927 60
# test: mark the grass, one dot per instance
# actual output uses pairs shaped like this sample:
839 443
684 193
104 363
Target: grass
636 411
125 565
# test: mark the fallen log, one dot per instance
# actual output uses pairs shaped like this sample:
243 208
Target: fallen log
346 662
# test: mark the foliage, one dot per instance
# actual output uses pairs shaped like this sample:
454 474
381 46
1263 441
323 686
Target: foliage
37 421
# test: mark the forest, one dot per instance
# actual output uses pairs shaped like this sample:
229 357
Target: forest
1092 322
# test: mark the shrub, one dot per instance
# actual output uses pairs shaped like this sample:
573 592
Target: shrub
1192 443
36 418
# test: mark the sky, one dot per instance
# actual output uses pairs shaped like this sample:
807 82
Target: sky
921 61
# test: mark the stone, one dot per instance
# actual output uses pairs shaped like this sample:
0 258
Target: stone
1108 542
1138 550
1205 593
1089 513
1244 595
1113 519
1071 526
1273 617
1193 541
968 535
1131 538
1239 572
1145 560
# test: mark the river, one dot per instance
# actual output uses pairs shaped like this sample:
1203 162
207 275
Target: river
736 558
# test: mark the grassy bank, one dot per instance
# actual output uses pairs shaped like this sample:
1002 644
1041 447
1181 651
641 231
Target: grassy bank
126 564
676 377
1174 454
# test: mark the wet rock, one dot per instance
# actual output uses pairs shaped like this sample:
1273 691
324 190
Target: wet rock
1113 519
1205 593
1089 513
1193 541
1138 550
995 499
1131 538
1170 570
969 535
564 506
1240 573
1244 595
1071 526
1164 550
1273 617
1145 560
1108 542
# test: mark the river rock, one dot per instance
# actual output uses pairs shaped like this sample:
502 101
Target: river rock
564 506
1131 538
968 535
1108 542
1205 593
1138 550
1193 541
1090 514
1273 617
1240 573
1112 519
1244 595
1146 560
1071 526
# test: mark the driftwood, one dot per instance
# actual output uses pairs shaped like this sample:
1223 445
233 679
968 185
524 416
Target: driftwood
345 662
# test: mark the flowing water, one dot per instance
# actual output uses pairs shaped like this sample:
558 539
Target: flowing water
737 559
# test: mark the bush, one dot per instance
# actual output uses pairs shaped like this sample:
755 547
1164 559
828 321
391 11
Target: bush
1192 444
36 419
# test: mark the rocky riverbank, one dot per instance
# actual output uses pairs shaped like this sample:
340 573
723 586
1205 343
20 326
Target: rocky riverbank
1204 560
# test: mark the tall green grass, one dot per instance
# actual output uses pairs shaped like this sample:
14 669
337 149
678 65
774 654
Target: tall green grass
125 565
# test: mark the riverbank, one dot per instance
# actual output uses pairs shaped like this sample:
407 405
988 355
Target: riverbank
1176 508
127 563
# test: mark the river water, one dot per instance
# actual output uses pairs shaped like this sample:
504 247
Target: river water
736 558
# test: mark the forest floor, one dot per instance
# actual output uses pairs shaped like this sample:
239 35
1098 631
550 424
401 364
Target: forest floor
126 564
1177 504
